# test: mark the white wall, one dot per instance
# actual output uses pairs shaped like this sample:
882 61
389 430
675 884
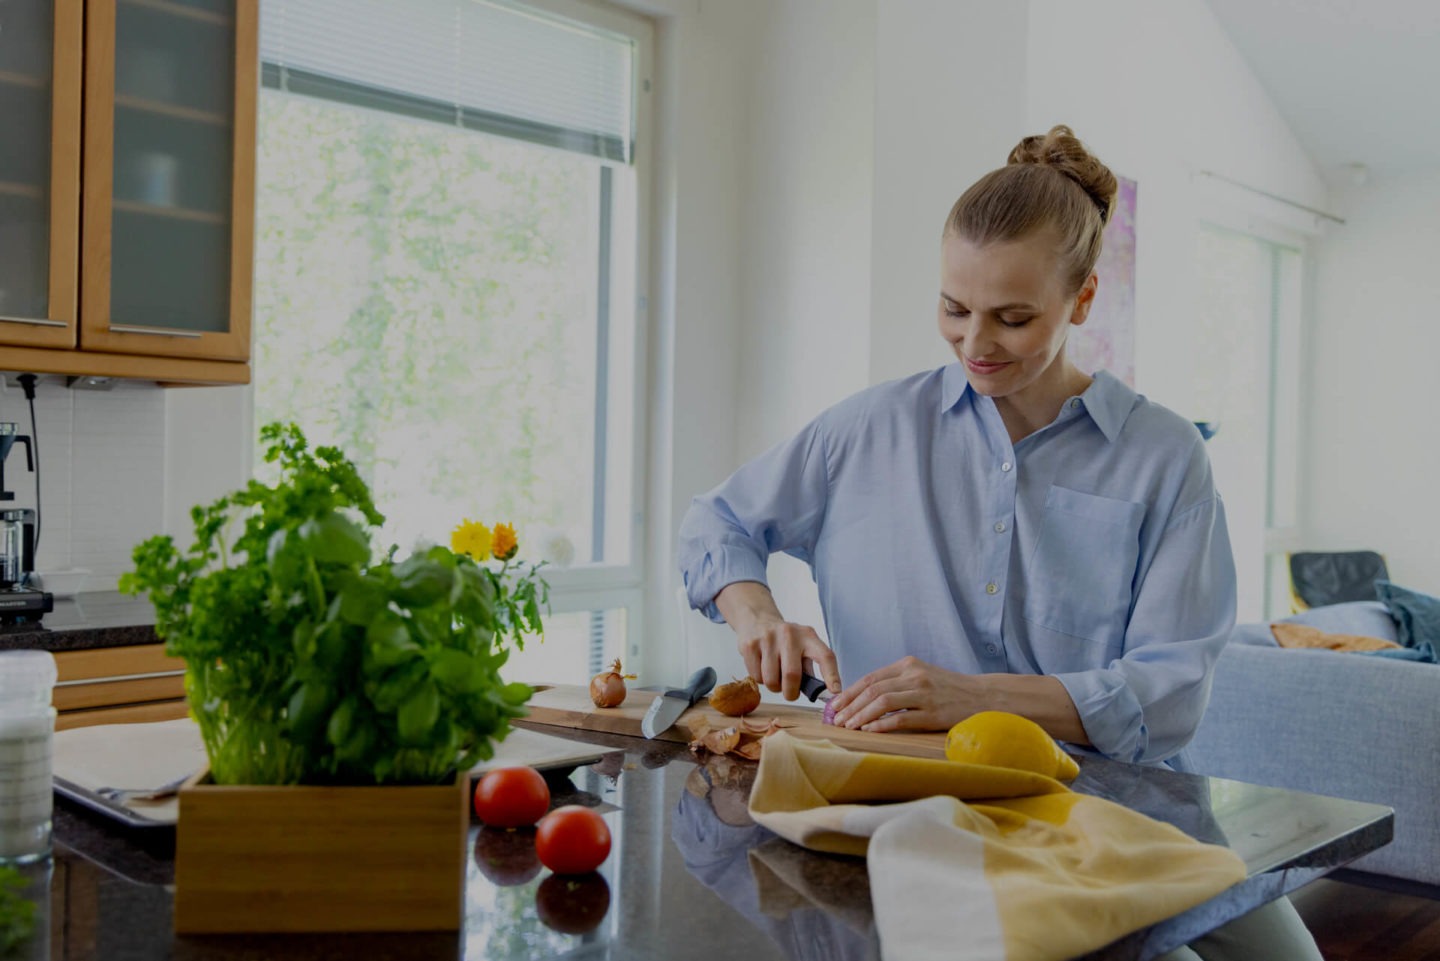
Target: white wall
1372 457
695 248
950 78
102 468
1160 93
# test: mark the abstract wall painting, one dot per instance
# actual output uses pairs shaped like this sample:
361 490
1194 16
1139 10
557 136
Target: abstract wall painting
1106 341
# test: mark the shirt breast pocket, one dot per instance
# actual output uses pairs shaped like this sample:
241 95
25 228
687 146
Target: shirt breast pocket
1079 579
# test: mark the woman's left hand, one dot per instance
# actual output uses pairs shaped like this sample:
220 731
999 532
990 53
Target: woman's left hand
909 695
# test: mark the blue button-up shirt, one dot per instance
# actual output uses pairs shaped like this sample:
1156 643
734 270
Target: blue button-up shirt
1093 550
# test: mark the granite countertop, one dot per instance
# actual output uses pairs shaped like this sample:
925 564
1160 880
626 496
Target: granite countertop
86 621
690 874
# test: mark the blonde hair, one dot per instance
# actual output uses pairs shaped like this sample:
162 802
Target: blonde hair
1049 182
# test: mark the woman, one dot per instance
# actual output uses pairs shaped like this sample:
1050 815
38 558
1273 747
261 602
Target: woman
1005 533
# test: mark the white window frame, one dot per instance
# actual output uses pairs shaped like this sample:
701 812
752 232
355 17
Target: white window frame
1274 222
586 586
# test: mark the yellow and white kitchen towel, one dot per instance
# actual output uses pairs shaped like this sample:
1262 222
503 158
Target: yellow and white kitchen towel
975 863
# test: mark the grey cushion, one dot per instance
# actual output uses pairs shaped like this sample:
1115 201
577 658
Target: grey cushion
1365 618
1336 724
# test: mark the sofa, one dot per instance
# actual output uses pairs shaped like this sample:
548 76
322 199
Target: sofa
1347 725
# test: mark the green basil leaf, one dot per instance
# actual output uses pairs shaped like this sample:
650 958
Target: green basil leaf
418 714
308 707
361 599
330 647
392 689
457 671
422 583
516 693
337 732
333 538
388 642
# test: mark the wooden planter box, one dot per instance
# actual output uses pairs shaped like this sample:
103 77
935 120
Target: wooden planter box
292 858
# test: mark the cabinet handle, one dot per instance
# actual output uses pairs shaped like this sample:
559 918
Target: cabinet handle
154 331
34 322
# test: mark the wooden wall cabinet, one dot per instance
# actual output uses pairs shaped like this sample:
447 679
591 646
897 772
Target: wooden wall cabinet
151 276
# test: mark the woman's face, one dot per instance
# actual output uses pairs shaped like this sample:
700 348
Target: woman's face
1005 312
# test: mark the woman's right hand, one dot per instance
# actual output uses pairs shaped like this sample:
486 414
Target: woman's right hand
776 651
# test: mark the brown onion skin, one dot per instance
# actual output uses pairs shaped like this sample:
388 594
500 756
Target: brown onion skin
737 698
607 689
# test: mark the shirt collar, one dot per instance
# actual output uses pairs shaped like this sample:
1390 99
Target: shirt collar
1107 400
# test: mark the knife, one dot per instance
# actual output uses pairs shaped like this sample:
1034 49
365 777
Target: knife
814 688
667 708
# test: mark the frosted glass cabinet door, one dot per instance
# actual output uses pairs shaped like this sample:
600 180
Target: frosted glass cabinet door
171 103
39 170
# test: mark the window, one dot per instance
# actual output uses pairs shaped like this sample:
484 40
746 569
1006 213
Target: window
448 260
1250 369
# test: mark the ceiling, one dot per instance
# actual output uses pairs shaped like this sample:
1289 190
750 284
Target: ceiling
1358 80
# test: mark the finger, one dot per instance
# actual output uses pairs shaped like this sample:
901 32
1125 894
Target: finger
750 651
770 665
798 640
824 661
881 698
908 720
857 690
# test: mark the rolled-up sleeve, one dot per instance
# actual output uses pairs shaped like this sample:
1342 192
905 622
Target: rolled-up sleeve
1146 705
776 502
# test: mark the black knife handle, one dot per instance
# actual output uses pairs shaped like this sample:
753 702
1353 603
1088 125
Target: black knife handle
697 687
812 687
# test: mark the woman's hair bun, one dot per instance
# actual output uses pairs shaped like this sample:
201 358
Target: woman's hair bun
1061 150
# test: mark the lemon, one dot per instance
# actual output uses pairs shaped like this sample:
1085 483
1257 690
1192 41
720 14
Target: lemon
1001 739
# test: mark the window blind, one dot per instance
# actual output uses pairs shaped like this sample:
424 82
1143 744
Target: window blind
515 71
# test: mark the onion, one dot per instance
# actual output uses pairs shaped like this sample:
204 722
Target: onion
736 698
828 716
607 689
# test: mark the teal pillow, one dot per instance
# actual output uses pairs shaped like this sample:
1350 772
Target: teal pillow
1416 615
1424 653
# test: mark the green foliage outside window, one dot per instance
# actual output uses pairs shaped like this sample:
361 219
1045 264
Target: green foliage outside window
425 300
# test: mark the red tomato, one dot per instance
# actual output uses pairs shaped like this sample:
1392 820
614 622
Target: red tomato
572 840
511 797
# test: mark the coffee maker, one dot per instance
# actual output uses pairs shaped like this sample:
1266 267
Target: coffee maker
18 602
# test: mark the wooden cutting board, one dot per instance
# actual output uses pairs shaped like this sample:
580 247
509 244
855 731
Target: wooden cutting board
565 705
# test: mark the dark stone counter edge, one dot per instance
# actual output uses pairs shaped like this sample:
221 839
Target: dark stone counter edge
1253 892
31 637
95 619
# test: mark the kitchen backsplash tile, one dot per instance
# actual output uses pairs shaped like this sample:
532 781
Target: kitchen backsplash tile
102 473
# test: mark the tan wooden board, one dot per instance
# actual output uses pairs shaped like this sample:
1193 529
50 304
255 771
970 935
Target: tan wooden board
540 751
109 663
570 706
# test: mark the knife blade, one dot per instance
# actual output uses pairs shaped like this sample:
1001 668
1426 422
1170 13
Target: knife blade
666 709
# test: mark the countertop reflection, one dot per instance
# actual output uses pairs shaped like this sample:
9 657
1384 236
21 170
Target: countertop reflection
690 875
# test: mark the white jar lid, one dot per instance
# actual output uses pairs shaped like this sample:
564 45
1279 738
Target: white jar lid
26 678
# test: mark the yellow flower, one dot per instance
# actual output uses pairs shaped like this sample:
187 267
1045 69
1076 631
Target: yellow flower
472 538
504 545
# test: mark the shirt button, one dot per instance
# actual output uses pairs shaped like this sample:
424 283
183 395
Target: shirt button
999 527
991 649
1006 467
1075 403
991 588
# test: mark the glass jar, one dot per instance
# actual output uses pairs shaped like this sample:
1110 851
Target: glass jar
27 735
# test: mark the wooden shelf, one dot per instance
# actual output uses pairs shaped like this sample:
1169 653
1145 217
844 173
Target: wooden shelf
171 110
12 189
179 10
173 213
23 80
